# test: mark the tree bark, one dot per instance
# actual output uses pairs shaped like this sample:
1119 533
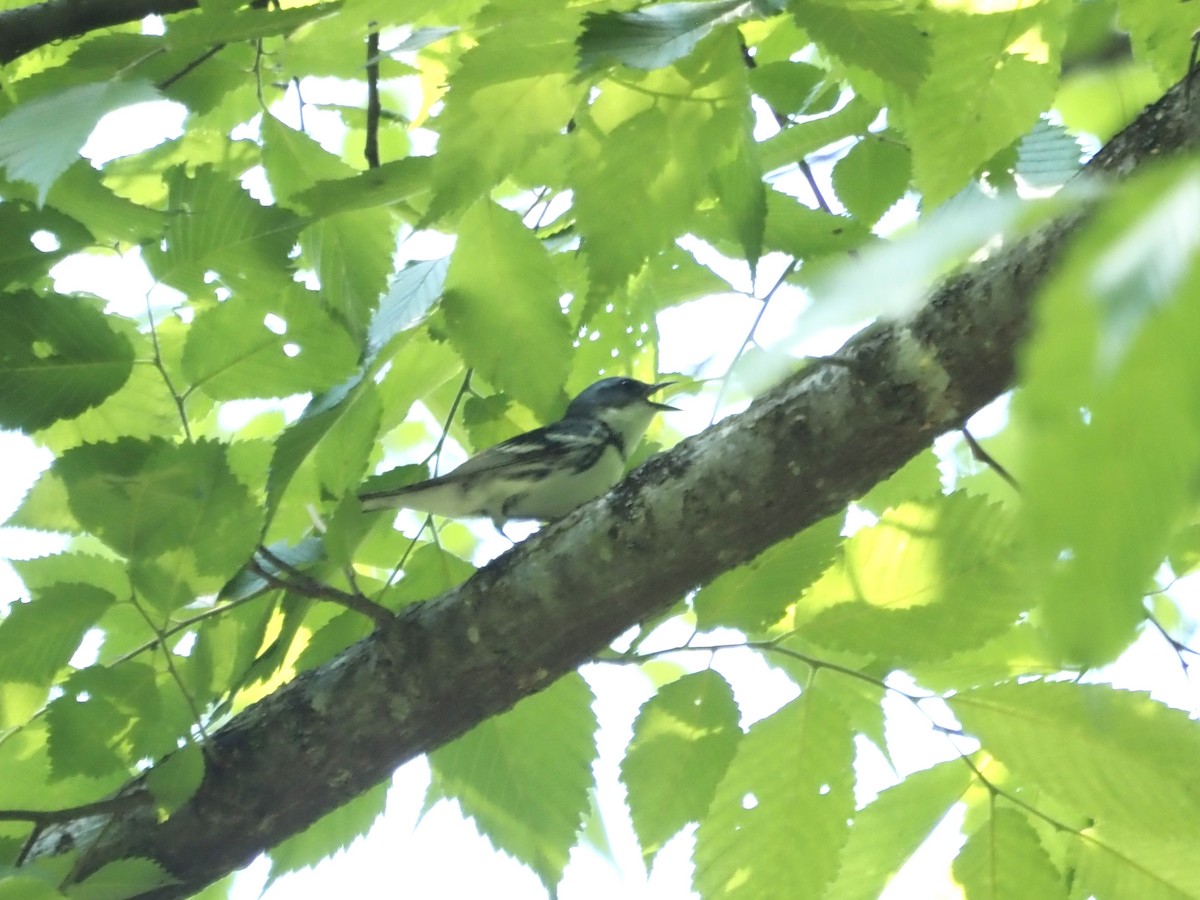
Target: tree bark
29 27
798 454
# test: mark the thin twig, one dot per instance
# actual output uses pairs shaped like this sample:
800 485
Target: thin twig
190 67
749 339
436 454
180 402
169 658
988 460
371 147
301 583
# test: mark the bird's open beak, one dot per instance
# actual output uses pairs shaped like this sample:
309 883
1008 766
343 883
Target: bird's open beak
654 388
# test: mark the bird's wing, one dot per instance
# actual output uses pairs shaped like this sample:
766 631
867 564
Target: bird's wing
533 449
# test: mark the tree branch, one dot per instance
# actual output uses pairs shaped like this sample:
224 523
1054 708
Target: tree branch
29 27
798 454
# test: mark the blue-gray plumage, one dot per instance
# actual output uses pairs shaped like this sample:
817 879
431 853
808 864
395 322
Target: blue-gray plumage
544 473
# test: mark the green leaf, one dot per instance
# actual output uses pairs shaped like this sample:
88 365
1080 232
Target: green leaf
1118 863
524 776
801 231
82 735
683 741
792 88
890 829
1004 859
215 225
926 581
23 257
1154 30
332 832
175 779
58 358
872 177
501 282
778 822
38 638
1116 757
123 878
271 346
40 138
409 298
1110 435
513 94
143 498
27 887
392 183
756 595
655 36
999 73
352 250
656 140
799 140
1048 156
881 36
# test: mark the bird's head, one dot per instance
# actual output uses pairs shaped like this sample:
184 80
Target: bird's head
623 404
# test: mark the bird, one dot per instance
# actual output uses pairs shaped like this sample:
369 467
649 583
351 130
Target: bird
544 473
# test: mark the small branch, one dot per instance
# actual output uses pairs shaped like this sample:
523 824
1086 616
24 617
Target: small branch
179 399
749 339
190 67
175 676
371 149
988 460
462 392
300 583
44 817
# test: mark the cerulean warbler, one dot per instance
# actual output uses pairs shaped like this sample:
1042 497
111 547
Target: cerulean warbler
544 473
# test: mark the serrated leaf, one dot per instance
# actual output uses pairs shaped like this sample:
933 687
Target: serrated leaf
269 347
524 776
1109 434
683 740
1118 863
24 258
143 498
501 282
887 832
1048 156
801 231
512 94
58 358
872 177
81 738
123 878
175 779
1004 859
999 73
332 832
799 139
654 36
881 36
657 140
409 298
1113 756
778 822
40 138
27 887
391 183
927 580
38 638
215 225
350 250
756 595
